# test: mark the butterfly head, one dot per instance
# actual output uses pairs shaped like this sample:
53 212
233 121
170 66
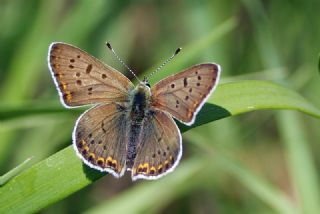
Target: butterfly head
146 82
144 87
140 96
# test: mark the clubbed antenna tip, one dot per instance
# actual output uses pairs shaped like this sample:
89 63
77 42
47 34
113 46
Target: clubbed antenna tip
165 62
109 45
120 60
177 51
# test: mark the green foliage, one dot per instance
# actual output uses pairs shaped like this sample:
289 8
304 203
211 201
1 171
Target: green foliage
257 162
319 64
14 172
60 175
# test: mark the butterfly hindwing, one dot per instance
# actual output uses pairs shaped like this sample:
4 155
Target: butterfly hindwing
159 146
100 138
82 79
183 94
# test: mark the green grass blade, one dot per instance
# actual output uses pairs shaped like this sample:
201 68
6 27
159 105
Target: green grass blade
300 157
34 114
319 64
26 58
46 182
8 112
74 29
63 173
265 191
15 171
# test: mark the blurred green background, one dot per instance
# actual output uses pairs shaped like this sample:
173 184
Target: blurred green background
226 164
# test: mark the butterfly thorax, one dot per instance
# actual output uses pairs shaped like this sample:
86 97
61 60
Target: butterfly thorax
139 107
139 102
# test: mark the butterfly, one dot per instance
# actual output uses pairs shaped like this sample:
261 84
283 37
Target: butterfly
129 128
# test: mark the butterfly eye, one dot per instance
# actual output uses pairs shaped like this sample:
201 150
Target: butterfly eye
145 81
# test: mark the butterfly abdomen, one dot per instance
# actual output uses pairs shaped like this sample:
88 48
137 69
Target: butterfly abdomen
139 107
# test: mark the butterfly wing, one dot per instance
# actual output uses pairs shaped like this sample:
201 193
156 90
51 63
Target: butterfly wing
183 94
100 138
159 146
82 79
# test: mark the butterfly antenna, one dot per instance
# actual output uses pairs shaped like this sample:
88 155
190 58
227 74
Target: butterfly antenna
127 67
165 62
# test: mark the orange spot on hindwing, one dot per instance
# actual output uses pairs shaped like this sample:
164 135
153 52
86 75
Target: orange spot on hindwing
81 144
143 168
91 157
112 163
152 170
100 162
85 151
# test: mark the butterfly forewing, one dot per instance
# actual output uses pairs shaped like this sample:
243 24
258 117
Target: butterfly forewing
183 94
82 79
159 147
100 138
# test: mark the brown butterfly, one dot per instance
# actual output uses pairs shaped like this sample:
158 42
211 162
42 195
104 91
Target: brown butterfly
129 127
